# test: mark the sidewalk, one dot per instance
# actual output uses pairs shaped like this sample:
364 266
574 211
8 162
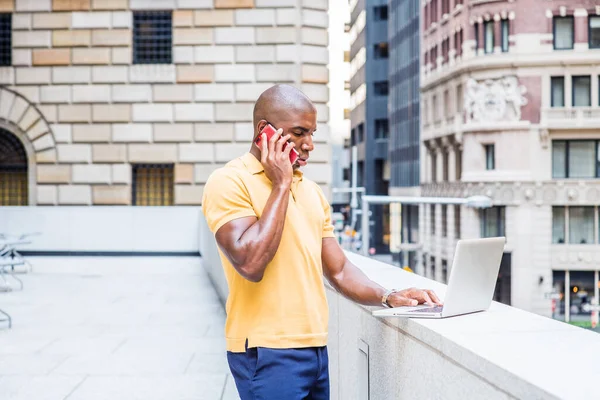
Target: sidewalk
114 328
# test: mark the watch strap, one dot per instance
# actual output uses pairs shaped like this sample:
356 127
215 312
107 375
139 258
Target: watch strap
386 295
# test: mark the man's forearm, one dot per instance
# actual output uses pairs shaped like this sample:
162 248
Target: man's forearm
261 241
355 285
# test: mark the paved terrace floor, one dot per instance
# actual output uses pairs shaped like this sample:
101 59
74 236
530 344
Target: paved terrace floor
114 328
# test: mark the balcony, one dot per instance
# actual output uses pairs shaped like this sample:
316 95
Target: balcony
501 353
569 118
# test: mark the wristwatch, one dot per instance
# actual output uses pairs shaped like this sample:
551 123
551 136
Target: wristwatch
386 295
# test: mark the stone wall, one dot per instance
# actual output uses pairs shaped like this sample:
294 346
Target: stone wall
89 113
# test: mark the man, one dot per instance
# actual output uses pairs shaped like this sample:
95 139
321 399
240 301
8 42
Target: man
276 241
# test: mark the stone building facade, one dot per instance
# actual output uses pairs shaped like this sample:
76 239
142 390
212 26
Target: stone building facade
510 109
104 95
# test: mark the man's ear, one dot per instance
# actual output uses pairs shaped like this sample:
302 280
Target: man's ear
260 126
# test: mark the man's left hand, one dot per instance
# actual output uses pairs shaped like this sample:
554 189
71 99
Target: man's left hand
413 297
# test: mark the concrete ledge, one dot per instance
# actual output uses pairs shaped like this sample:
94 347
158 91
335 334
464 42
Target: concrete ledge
504 353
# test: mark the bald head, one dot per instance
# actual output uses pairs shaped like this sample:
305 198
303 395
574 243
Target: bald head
281 101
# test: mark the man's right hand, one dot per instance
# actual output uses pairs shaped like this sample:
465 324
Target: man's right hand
276 160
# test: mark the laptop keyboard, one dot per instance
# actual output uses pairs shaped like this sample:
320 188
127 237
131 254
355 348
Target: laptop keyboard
436 309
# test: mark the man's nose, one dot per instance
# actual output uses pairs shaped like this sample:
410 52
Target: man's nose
307 144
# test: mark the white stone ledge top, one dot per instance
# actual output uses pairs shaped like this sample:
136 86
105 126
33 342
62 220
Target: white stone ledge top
521 352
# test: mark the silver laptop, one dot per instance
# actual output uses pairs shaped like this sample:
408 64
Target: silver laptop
471 285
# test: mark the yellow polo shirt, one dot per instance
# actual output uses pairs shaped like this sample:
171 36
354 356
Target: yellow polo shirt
288 307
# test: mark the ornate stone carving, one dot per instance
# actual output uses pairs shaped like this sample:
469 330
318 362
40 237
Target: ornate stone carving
544 138
494 100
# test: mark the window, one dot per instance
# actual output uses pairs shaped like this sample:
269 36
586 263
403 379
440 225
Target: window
476 33
381 13
432 219
444 220
558 225
594 32
347 56
446 50
563 33
458 164
152 37
434 11
381 88
504 32
575 159
581 225
361 132
582 93
490 157
381 50
445 166
14 183
444 271
488 37
433 166
458 40
382 129
557 94
445 7
457 222
6 39
152 185
493 222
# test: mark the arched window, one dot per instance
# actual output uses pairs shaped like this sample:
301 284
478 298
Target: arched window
13 170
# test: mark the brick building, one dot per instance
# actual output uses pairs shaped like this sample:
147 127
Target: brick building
119 102
510 101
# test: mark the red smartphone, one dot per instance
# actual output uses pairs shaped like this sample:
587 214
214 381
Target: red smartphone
270 131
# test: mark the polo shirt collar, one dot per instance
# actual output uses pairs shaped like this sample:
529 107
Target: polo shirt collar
254 166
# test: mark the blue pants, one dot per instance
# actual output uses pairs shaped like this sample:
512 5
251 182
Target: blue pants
281 374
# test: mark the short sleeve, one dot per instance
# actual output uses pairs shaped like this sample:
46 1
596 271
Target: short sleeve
327 224
224 199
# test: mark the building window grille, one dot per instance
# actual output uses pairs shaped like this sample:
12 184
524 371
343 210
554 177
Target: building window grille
152 185
13 171
152 37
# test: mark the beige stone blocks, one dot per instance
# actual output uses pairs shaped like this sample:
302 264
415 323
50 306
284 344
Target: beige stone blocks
154 4
115 37
111 112
89 20
255 17
46 157
315 18
152 112
121 173
213 54
275 3
315 74
43 142
203 171
184 173
131 93
225 152
250 91
93 56
188 195
90 173
75 194
173 93
40 38
53 173
74 153
152 73
103 153
46 194
21 57
196 152
110 74
234 73
121 55
111 195
122 19
213 132
192 36
195 73
234 3
70 5
52 21
234 112
214 92
89 133
62 133
315 36
194 112
91 93
276 73
132 133
152 153
181 132
110 4
33 5
74 113
71 75
7 5
278 35
81 38
255 54
183 18
234 35
213 18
